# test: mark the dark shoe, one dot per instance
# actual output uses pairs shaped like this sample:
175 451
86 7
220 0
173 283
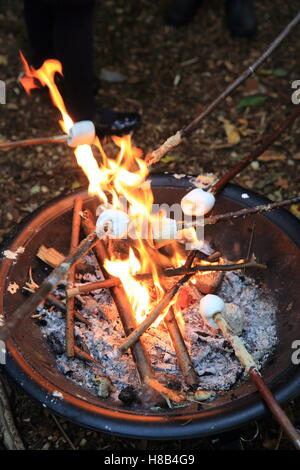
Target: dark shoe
181 12
109 122
241 18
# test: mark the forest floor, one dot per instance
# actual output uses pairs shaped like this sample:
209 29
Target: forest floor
171 74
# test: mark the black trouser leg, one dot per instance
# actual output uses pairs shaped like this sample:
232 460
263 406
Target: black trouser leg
73 47
39 22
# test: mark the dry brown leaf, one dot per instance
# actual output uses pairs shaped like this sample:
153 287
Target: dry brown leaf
233 136
271 156
3 60
296 156
282 183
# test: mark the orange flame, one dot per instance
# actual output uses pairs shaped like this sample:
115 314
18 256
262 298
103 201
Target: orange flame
122 177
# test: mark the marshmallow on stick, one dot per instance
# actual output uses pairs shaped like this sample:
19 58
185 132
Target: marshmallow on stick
197 202
81 133
112 223
210 305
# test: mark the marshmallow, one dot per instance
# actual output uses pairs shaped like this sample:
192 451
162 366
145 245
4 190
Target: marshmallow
112 223
81 133
209 306
197 202
164 229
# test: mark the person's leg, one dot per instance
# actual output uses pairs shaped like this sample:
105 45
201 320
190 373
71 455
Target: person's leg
39 21
73 47
181 12
240 17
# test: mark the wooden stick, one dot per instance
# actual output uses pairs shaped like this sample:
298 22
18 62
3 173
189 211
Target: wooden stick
249 364
56 139
186 366
51 281
255 153
171 272
183 357
158 309
91 286
70 323
167 393
213 219
176 139
86 357
138 350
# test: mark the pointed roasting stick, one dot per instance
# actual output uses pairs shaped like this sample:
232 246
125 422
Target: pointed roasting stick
261 208
177 138
171 272
70 323
49 283
158 309
56 139
248 363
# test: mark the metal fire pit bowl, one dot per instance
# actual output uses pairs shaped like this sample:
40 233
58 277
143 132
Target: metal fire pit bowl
32 365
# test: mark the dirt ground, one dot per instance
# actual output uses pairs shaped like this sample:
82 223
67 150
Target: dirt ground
171 74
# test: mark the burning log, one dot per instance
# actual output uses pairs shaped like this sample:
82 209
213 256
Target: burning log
183 357
135 335
49 283
71 278
173 141
212 309
122 303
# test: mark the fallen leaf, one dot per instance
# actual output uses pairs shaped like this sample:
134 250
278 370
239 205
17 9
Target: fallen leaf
251 101
295 209
280 72
282 183
35 189
233 136
296 156
271 156
3 60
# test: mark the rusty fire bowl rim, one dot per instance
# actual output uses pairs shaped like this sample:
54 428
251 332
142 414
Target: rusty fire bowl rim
127 423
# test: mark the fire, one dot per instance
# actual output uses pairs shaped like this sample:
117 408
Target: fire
117 182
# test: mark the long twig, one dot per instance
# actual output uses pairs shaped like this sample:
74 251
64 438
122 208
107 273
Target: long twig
171 272
177 138
70 314
51 281
261 208
56 139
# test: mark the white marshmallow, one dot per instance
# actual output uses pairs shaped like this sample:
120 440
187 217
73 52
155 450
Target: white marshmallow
209 306
197 202
112 223
81 133
164 229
